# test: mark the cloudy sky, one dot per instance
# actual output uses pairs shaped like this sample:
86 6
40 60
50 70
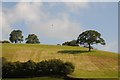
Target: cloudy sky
69 19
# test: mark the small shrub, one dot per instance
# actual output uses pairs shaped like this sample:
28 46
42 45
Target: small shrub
5 41
70 43
59 44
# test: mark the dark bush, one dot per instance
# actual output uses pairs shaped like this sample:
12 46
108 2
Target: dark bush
55 66
28 68
71 43
32 69
42 68
8 69
68 68
58 44
5 41
65 43
18 69
51 67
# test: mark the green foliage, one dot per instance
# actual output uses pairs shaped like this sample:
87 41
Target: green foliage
16 36
8 69
54 67
70 43
32 38
30 68
90 37
68 68
42 68
5 41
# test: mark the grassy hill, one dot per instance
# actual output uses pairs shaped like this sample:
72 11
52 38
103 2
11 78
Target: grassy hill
94 64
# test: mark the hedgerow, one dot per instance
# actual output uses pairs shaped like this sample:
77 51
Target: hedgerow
32 69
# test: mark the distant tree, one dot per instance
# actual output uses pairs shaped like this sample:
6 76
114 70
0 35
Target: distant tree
5 41
90 37
32 38
65 43
16 36
71 43
58 44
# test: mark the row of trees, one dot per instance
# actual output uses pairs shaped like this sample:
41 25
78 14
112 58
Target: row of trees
86 38
70 43
16 36
31 69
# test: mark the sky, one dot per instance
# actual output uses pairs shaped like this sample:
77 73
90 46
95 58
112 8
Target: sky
69 19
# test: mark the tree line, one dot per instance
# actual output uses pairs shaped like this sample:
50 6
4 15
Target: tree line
86 38
53 67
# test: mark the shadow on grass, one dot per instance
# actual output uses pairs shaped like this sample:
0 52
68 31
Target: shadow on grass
74 51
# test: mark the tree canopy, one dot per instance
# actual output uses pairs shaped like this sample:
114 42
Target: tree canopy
32 38
16 36
90 37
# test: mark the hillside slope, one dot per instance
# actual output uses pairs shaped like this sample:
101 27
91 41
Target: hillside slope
87 64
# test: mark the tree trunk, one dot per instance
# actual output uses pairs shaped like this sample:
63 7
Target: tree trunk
89 47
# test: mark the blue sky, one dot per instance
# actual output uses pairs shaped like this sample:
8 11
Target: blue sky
69 19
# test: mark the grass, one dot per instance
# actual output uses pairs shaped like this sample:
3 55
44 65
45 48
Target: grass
94 64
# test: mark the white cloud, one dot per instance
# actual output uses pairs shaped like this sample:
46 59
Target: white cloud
75 6
5 26
60 0
39 21
27 12
62 28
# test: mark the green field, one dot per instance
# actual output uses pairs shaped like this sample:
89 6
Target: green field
94 64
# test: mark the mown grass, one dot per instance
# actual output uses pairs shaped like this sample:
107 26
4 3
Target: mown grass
94 64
